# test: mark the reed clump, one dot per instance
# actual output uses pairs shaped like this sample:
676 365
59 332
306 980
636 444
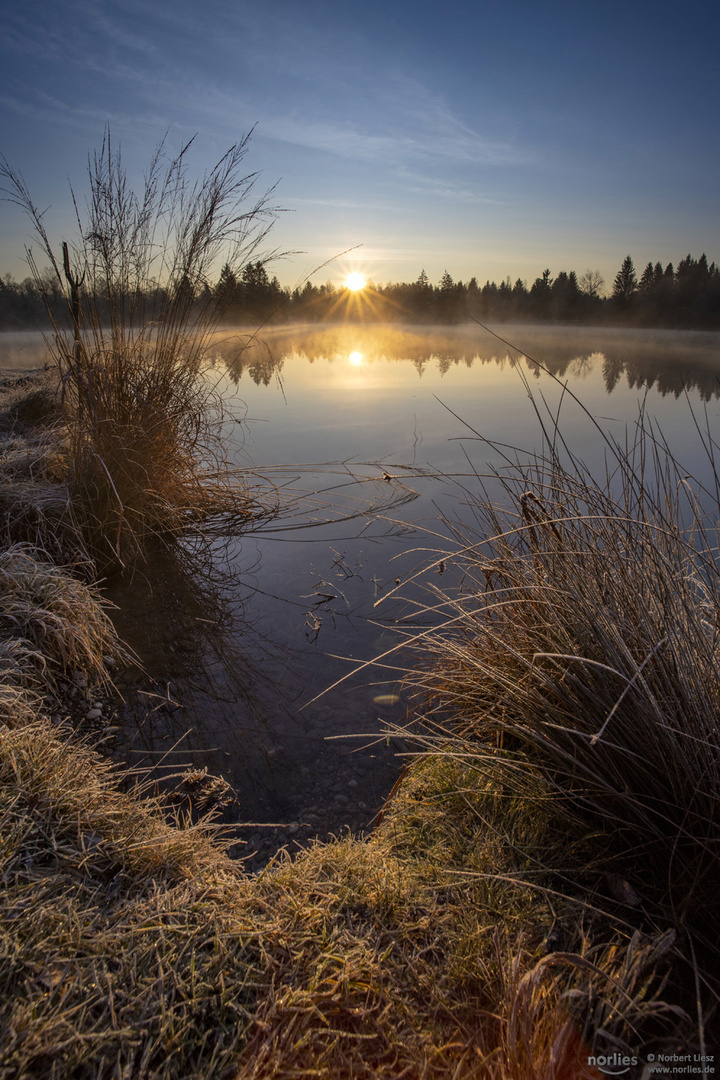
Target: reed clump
131 314
582 645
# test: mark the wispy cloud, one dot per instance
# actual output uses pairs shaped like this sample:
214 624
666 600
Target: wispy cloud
341 204
391 147
86 120
446 189
392 141
400 122
347 103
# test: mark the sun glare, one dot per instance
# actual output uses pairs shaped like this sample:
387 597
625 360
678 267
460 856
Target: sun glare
355 282
355 358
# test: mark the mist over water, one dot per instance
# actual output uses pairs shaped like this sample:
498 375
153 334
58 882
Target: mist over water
672 359
367 393
369 434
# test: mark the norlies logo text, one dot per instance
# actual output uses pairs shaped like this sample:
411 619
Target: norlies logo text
614 1064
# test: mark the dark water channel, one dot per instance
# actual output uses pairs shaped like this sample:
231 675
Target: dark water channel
251 663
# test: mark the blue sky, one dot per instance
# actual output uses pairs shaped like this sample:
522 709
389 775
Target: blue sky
485 138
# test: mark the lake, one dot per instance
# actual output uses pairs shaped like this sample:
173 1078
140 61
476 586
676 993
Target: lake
366 436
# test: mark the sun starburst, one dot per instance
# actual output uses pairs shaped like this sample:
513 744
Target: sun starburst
355 282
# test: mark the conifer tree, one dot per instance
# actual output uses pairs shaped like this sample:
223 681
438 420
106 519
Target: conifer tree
647 281
625 284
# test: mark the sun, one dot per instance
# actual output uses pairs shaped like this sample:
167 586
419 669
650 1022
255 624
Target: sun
354 282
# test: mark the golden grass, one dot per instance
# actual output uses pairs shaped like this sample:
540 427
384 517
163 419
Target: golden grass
584 638
135 947
145 461
59 617
109 925
576 658
35 503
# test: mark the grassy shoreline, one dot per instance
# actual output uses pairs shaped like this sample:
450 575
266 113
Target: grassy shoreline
487 928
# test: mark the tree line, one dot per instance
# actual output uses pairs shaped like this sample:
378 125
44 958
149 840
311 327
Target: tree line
686 296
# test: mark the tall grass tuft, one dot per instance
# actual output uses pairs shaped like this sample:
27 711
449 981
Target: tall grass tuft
129 341
584 641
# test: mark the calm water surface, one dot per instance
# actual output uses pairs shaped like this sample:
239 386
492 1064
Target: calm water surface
366 433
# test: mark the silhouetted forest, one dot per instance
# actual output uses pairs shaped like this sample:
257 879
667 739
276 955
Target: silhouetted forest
682 297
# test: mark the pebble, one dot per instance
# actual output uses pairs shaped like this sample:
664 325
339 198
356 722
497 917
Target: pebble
94 714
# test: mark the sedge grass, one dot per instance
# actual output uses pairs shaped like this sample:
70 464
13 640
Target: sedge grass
145 460
581 645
